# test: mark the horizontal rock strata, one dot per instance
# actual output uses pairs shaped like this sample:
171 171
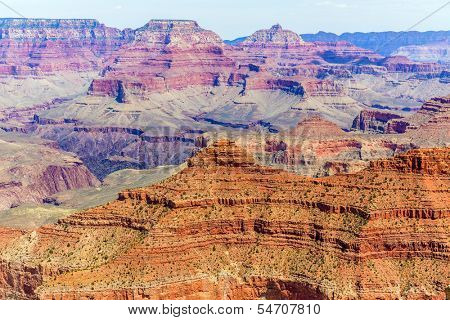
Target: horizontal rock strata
228 228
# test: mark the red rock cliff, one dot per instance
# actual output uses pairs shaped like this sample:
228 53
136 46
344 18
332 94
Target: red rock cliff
41 46
227 228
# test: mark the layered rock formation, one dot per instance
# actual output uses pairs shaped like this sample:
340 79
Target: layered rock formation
227 228
174 74
432 52
421 161
430 122
278 53
176 54
31 172
428 126
383 42
431 125
318 147
375 121
316 127
166 54
274 37
403 64
43 46
107 149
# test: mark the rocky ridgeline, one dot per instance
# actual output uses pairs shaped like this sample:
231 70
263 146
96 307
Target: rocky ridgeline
272 223
45 46
385 43
278 59
403 64
175 54
58 29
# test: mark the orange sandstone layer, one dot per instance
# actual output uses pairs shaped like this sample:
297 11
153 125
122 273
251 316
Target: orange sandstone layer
227 228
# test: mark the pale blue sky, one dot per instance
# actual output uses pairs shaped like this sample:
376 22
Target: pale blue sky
233 18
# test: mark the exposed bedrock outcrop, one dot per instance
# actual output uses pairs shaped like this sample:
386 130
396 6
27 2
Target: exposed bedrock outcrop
228 228
42 46
175 53
318 147
422 161
41 182
376 121
429 125
108 149
274 37
386 43
403 64
45 46
432 118
203 288
30 172
18 281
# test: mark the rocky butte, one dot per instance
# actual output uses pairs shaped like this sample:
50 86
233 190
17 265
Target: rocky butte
228 228
165 55
274 37
176 54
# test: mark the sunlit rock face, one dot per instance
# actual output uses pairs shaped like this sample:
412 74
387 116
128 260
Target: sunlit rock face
274 37
228 228
166 55
45 46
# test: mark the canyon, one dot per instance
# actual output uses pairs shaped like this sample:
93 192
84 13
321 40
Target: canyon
150 93
165 163
255 232
30 172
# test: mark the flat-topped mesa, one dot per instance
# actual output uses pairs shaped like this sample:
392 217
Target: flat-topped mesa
434 161
58 29
275 37
222 153
166 55
316 127
45 46
179 34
